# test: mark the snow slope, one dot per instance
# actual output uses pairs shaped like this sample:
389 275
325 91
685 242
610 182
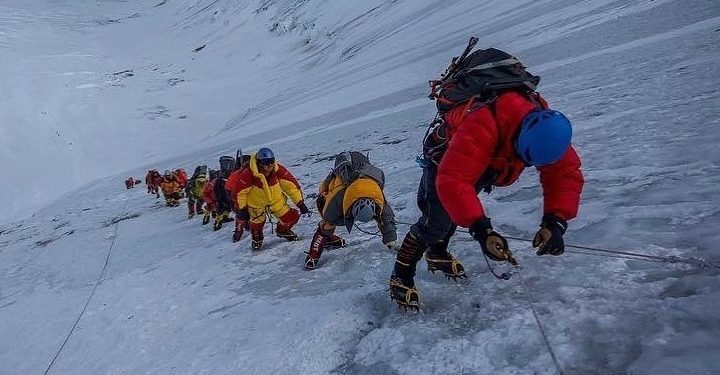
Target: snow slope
309 79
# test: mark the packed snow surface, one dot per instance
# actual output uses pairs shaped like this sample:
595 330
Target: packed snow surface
104 280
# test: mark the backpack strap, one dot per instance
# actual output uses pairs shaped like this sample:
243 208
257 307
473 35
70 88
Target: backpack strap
496 64
536 100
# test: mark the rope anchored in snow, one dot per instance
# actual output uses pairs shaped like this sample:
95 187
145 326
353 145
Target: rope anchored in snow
92 293
540 326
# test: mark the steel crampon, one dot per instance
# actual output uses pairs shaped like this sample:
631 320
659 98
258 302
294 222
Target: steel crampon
405 297
451 268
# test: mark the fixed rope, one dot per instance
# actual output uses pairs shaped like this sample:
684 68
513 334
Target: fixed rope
92 293
506 276
366 232
540 326
596 251
586 250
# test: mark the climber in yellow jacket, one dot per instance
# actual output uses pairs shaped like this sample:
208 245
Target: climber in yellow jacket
264 188
352 192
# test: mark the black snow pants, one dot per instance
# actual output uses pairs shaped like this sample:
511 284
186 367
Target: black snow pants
432 230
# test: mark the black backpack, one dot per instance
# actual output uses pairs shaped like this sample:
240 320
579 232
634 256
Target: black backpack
200 169
477 77
227 165
480 76
351 165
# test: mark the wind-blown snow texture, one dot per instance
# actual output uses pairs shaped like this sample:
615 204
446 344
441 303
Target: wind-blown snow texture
96 88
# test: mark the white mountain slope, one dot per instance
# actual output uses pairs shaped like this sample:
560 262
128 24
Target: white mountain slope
309 79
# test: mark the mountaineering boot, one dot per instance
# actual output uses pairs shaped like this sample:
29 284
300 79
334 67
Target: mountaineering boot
439 259
257 238
404 294
402 280
237 235
450 266
220 219
286 234
319 241
283 229
206 218
191 210
239 229
334 242
217 225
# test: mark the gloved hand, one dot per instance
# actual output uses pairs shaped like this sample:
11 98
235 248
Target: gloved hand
389 239
243 214
494 245
549 238
303 208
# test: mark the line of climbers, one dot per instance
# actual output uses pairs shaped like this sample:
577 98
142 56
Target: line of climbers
491 125
257 188
171 183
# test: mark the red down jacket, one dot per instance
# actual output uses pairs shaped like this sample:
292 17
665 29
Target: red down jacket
481 142
209 194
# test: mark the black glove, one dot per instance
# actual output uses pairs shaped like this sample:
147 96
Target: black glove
494 245
303 208
549 239
243 214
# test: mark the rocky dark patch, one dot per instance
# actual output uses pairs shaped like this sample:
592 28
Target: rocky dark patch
125 73
174 81
118 219
393 142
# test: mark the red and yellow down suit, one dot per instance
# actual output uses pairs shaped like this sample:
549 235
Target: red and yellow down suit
152 180
258 193
171 190
181 177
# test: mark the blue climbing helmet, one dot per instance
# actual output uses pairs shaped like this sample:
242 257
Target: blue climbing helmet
265 156
544 137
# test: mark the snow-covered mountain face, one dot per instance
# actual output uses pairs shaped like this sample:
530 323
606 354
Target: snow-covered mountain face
110 88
